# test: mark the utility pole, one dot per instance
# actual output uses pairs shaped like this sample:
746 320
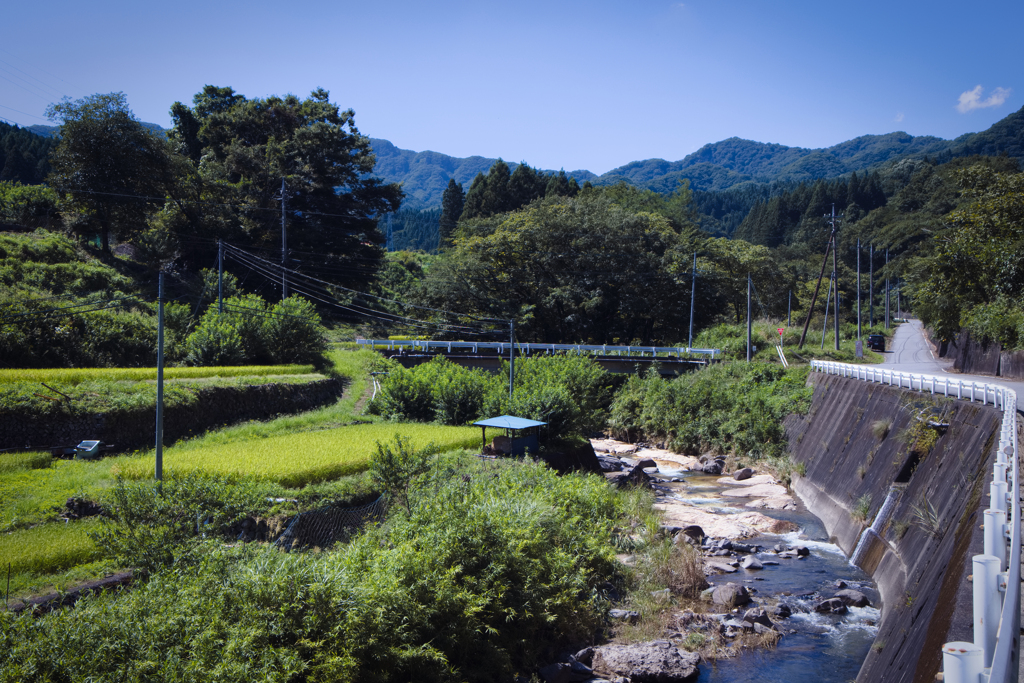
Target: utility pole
825 325
220 277
750 350
858 291
887 288
693 293
835 276
284 248
824 262
511 357
160 384
390 244
871 285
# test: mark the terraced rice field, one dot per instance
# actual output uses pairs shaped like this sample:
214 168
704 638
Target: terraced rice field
74 376
296 460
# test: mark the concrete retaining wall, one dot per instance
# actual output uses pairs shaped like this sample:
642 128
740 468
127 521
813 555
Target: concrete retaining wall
971 356
131 429
921 556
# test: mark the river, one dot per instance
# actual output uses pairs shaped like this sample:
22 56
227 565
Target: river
823 648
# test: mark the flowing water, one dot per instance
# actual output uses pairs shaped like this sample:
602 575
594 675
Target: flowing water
823 648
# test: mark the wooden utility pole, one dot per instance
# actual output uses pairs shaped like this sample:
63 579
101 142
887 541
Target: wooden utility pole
814 297
220 277
858 290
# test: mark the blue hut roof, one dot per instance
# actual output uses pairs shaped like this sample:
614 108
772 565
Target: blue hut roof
509 422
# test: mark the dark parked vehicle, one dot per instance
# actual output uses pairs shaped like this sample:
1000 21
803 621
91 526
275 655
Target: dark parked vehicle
876 342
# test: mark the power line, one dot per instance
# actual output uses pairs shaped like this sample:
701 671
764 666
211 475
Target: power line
275 267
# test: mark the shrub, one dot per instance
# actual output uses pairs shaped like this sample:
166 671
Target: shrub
570 393
489 573
249 332
736 407
392 468
292 332
150 526
215 342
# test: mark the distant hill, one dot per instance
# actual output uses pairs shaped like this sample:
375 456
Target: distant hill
424 175
725 165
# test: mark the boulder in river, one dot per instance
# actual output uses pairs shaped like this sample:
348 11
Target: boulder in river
745 473
730 595
750 562
654 662
831 606
782 611
757 615
713 467
852 598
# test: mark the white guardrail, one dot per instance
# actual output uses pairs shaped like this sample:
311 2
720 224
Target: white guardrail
992 657
502 348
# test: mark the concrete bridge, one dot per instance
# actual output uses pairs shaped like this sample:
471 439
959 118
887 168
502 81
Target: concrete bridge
670 360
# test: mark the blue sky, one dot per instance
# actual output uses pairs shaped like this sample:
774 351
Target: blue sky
568 84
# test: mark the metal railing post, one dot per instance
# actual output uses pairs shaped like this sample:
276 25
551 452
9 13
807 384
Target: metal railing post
987 605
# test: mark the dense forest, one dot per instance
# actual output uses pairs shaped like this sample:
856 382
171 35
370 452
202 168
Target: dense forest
24 156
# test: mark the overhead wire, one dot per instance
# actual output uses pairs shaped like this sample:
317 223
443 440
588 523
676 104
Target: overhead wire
273 272
240 254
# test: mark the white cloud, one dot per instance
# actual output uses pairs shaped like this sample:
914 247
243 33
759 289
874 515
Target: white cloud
971 99
899 117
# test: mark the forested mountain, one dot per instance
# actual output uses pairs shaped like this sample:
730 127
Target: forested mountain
23 155
715 167
424 175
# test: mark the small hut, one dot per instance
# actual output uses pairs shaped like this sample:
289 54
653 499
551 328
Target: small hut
520 434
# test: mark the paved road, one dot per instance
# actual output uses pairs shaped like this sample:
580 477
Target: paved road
911 352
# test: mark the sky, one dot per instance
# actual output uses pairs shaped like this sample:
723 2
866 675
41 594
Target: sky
557 84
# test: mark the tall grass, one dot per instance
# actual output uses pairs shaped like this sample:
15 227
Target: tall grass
30 496
732 340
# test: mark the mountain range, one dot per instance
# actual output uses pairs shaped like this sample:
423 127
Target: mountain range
714 167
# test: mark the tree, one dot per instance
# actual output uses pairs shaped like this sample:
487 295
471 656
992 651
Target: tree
573 270
107 166
247 146
452 203
979 259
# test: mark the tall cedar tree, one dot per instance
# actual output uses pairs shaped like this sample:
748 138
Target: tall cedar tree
238 150
110 170
452 203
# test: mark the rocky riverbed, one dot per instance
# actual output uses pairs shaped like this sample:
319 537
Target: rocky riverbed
774 581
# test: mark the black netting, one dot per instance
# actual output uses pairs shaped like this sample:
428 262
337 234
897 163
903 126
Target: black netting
326 526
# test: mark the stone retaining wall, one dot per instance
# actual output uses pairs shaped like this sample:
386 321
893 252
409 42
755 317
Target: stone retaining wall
920 562
132 429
